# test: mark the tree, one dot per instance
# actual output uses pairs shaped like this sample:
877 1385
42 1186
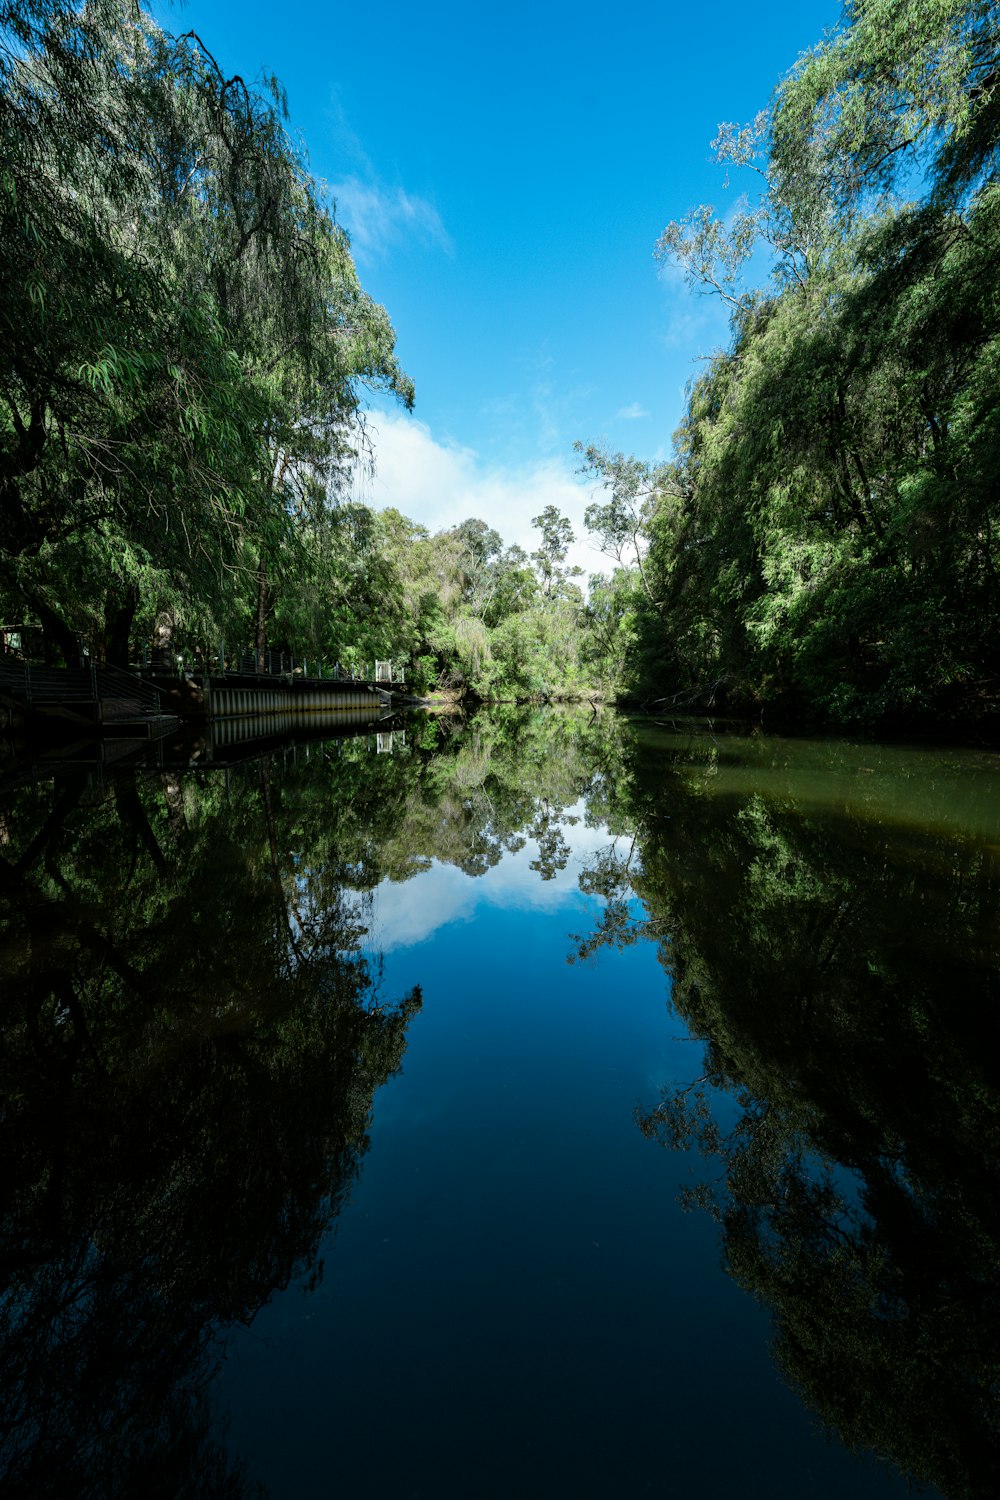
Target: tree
823 540
557 538
186 335
900 89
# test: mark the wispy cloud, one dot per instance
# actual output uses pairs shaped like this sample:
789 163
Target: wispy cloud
440 484
544 414
696 321
380 218
633 413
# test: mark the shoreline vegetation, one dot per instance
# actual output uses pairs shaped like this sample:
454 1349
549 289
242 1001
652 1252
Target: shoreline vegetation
189 351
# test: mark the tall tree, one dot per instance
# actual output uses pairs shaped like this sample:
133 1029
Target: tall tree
825 539
556 540
186 335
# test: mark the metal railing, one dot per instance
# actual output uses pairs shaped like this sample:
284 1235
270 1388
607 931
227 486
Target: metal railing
30 678
121 694
247 663
42 685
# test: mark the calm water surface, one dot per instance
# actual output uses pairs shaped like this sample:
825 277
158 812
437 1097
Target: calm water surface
555 1105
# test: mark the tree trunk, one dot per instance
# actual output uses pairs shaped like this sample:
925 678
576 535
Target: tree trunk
261 641
56 630
163 641
119 628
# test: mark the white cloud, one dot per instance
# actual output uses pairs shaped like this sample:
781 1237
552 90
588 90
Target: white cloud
379 218
440 484
633 413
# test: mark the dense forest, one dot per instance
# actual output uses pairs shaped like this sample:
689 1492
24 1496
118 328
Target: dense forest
188 352
823 540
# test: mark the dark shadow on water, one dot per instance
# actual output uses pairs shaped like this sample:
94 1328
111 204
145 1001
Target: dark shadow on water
192 1038
191 1044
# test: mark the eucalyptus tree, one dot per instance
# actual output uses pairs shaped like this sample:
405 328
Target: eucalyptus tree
550 554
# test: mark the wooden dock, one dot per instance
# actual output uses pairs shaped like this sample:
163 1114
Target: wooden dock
108 701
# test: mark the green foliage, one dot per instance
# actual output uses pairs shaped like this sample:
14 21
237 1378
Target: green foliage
187 350
464 611
556 539
185 337
824 541
901 85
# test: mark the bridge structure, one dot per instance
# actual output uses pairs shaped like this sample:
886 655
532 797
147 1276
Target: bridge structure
106 701
239 694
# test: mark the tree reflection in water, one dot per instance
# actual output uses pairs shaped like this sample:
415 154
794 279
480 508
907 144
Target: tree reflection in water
192 1040
842 972
187 1074
191 1044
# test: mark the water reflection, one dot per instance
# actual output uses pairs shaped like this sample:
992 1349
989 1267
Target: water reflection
193 1037
191 1043
829 917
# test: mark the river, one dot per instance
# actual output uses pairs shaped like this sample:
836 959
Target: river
552 1104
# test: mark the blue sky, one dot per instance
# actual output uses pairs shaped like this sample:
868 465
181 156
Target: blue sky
504 172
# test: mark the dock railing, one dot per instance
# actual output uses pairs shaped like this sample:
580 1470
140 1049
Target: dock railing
249 663
114 694
20 663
